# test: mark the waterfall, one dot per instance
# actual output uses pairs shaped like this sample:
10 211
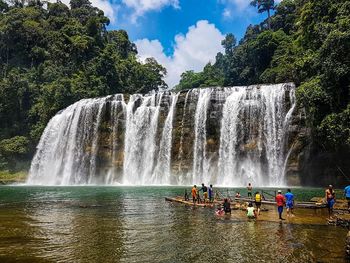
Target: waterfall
67 149
140 138
162 173
254 127
118 111
182 130
224 136
229 138
200 167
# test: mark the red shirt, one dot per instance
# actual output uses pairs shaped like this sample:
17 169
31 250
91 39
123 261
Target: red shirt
280 200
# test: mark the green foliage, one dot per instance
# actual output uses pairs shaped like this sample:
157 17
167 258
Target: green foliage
335 128
14 145
210 77
308 43
12 177
13 149
51 57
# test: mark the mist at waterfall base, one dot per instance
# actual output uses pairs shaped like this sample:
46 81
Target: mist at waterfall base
221 136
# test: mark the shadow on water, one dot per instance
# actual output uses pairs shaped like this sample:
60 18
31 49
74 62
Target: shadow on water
135 224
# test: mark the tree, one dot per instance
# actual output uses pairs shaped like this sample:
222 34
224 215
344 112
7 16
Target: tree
264 6
229 44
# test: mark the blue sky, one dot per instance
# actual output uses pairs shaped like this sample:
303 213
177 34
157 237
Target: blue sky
181 34
164 23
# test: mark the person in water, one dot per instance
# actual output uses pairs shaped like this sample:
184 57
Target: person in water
280 201
251 213
219 211
194 194
330 197
227 206
289 202
250 189
347 196
186 195
258 199
211 194
238 195
205 192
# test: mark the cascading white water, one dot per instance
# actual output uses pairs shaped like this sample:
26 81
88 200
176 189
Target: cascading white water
118 109
61 157
254 124
200 164
162 172
182 129
142 140
228 139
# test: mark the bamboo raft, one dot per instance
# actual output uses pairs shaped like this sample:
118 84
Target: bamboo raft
180 199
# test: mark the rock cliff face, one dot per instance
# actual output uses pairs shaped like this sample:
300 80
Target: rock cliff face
224 136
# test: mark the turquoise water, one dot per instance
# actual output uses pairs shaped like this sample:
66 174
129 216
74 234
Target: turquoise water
136 224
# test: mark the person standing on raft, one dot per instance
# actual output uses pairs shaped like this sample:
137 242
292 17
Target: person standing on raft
280 201
330 197
249 190
211 194
205 192
194 194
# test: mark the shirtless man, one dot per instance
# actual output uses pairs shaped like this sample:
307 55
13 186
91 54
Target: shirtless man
330 197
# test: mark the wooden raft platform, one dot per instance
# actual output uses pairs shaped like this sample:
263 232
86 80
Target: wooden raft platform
309 205
181 201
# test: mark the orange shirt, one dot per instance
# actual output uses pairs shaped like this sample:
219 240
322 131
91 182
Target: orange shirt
194 192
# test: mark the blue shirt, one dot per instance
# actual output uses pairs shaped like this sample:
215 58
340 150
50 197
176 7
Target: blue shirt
289 197
347 191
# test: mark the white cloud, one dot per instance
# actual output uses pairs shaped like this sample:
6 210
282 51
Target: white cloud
142 6
226 13
191 51
237 8
239 5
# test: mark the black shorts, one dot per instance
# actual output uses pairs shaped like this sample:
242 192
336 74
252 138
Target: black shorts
258 204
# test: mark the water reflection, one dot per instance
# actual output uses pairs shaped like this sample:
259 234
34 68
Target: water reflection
106 224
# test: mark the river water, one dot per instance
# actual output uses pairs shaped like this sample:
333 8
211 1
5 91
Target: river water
136 224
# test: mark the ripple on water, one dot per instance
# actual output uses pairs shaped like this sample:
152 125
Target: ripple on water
106 224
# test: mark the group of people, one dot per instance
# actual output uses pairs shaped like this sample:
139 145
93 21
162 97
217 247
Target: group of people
252 212
208 194
286 200
281 200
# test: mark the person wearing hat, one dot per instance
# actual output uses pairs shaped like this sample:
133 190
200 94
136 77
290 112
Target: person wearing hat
280 201
330 197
